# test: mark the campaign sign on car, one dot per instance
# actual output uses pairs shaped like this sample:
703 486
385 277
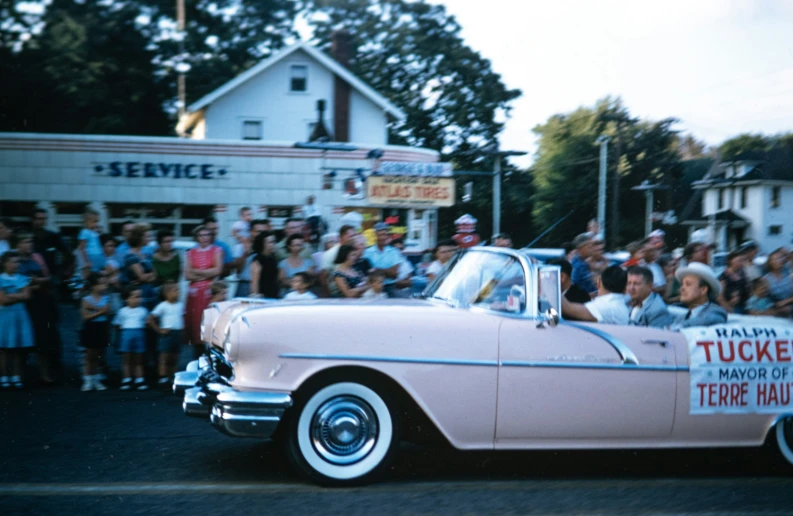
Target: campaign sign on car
739 369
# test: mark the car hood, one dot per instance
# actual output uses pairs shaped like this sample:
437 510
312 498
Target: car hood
349 306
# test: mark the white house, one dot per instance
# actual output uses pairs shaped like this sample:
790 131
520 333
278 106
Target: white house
246 148
277 100
750 198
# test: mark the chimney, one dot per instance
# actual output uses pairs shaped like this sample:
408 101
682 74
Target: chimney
340 51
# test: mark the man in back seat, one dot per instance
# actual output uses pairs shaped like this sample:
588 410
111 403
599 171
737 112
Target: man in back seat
609 306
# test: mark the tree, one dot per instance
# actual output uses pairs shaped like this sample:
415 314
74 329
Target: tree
412 53
755 145
87 72
222 39
566 167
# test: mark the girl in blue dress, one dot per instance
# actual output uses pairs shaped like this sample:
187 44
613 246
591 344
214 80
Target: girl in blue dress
16 332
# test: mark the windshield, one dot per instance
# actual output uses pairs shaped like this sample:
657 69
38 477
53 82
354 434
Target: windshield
489 280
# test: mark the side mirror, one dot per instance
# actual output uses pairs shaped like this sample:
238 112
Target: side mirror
551 316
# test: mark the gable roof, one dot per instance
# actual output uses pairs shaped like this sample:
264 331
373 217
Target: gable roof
324 59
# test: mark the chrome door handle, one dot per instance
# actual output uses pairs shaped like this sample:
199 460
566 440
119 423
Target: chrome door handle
661 343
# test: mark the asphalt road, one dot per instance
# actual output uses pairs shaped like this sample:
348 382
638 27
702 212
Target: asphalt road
126 453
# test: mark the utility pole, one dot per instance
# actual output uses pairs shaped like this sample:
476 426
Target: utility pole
649 200
615 192
604 143
182 80
497 196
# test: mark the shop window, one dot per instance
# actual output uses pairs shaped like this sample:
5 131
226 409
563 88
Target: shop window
198 211
776 196
70 208
298 78
774 230
252 130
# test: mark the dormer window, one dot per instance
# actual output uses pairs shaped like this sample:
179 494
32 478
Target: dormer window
298 78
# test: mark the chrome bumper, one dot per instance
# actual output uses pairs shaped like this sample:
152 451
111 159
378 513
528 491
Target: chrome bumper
235 413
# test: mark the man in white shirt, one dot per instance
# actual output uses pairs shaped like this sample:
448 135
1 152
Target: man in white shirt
609 306
443 253
346 236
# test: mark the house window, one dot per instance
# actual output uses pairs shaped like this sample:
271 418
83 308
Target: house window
252 130
776 196
774 230
720 203
744 193
298 78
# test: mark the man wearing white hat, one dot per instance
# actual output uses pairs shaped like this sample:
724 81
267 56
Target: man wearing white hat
699 288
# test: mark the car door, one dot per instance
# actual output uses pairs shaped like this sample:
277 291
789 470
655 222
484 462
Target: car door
582 381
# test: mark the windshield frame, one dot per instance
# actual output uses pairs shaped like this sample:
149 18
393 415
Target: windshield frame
529 281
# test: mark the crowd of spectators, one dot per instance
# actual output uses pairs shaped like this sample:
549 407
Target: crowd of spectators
143 298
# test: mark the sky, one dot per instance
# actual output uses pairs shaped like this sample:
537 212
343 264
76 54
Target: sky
722 67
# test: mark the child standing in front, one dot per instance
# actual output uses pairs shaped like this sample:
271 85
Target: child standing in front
301 282
131 321
241 229
89 246
219 291
16 331
95 309
167 320
376 286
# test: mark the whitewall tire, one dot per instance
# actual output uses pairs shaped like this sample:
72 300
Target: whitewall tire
784 438
345 433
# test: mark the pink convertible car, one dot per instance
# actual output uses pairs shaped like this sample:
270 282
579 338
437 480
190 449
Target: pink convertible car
482 361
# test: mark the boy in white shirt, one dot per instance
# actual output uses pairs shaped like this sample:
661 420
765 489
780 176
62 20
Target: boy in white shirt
167 319
241 229
131 320
301 282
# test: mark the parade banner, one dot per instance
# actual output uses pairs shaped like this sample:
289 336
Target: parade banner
741 369
406 191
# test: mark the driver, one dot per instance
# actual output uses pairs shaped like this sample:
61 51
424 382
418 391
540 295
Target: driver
609 306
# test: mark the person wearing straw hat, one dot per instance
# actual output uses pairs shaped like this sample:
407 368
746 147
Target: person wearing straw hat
699 289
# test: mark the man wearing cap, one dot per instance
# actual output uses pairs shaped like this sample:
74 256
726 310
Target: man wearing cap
384 257
582 274
699 288
750 250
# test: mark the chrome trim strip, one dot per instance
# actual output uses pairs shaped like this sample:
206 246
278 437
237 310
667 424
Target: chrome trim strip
592 365
625 353
401 360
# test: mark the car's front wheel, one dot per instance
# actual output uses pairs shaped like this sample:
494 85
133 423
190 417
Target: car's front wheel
343 434
784 438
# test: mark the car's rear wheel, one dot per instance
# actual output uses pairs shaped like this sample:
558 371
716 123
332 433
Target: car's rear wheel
343 433
784 438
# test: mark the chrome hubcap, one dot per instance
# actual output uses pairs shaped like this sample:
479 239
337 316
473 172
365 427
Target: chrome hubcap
344 430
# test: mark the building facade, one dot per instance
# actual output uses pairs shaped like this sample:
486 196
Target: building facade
748 199
246 145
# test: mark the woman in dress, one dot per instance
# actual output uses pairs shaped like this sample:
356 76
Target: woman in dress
42 307
165 260
264 269
294 263
203 264
16 332
349 281
137 268
780 283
